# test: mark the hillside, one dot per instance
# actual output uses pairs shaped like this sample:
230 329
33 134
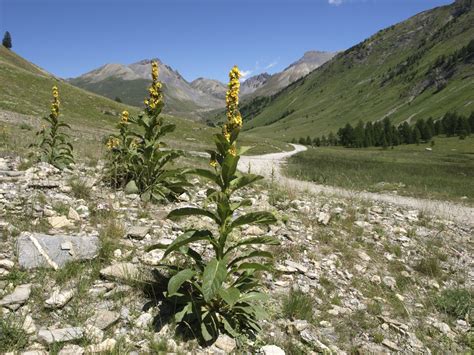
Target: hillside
26 89
130 83
418 68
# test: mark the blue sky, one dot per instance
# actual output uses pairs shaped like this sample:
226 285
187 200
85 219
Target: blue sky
196 37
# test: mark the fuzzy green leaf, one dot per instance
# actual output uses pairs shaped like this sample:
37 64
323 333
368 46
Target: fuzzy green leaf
214 275
177 280
254 218
191 211
230 295
186 238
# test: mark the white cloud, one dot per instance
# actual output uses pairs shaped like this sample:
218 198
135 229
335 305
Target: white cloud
335 2
271 65
245 74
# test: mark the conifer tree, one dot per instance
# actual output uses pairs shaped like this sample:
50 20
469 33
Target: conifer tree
7 40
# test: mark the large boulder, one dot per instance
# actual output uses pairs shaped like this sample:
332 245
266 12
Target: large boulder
40 250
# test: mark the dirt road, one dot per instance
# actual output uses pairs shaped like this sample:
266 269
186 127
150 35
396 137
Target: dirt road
269 164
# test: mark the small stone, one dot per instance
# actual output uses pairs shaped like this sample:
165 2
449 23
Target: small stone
389 281
93 334
363 256
103 319
391 345
105 347
442 327
254 230
144 320
29 325
121 271
400 297
153 257
59 222
225 343
19 295
117 253
71 349
323 218
6 264
301 268
73 215
272 350
138 232
59 299
376 279
60 335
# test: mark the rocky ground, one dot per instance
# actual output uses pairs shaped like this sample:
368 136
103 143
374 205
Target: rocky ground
349 275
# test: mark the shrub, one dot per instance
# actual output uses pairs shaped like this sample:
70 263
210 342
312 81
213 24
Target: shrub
456 302
298 305
54 145
136 159
220 294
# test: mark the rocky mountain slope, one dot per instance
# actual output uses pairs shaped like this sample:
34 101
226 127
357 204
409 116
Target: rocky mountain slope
130 83
418 68
303 66
212 87
348 276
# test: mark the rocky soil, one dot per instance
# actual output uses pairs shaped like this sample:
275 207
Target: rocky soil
350 275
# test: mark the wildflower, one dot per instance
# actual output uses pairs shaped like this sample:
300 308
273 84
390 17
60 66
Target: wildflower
156 97
213 163
55 103
234 119
125 115
112 143
233 150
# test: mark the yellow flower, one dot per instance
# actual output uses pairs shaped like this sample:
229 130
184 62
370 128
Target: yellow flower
125 115
55 103
154 90
213 163
233 150
112 143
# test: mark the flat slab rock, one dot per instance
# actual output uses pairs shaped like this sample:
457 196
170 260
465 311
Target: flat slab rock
40 250
60 335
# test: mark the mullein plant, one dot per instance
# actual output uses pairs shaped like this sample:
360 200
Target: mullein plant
137 161
221 293
54 145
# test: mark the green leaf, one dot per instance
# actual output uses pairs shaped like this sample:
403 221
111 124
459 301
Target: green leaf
229 328
229 166
131 187
230 295
186 238
244 180
191 211
254 218
177 280
178 317
253 254
253 296
214 275
252 266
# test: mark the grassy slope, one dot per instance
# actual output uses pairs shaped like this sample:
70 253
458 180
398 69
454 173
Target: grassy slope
26 89
349 88
446 172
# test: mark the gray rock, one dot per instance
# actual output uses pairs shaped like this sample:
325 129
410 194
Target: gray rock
19 296
138 232
272 350
71 349
105 347
323 218
58 299
50 252
60 335
121 271
225 343
103 319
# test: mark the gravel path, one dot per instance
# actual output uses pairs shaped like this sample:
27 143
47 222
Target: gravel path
269 164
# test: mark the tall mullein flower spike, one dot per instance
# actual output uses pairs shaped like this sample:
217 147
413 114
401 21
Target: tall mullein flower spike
156 97
124 118
234 119
55 103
